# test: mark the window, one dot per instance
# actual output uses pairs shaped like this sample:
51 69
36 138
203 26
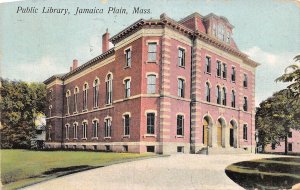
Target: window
152 51
208 64
224 96
233 74
214 29
273 146
50 94
180 149
126 124
245 82
233 99
107 127
75 129
109 89
128 57
127 88
68 94
85 96
76 91
181 57
290 147
50 110
150 149
221 34
150 123
181 88
228 37
218 95
67 131
290 134
84 130
224 71
151 84
245 105
219 68
95 128
180 125
245 132
207 92
96 93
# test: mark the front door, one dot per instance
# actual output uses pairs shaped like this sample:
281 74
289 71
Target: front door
231 137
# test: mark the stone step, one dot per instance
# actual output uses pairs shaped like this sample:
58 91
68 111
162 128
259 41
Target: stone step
219 150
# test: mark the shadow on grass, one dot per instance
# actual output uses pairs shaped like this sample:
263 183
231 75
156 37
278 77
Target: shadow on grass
266 173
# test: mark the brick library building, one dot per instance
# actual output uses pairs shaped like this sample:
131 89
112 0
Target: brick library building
166 86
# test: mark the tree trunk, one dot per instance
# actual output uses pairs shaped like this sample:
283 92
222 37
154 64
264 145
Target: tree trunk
285 145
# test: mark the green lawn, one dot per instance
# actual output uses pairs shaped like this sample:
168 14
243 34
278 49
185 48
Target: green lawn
268 173
23 167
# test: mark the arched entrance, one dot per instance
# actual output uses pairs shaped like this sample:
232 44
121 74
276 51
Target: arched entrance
233 134
221 132
206 132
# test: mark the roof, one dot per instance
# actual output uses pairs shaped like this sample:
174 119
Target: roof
164 20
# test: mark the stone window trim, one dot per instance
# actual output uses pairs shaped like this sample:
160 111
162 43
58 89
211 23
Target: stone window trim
75 125
217 64
87 86
127 48
76 90
149 111
94 82
151 73
67 127
126 78
109 73
124 127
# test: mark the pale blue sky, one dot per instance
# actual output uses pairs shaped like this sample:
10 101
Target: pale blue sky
35 46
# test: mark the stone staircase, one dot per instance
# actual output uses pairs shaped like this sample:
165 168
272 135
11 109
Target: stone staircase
220 150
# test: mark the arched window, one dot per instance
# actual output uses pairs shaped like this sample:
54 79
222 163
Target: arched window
75 130
68 94
76 91
207 91
233 99
85 96
95 128
224 96
218 95
84 130
109 88
96 93
67 131
107 127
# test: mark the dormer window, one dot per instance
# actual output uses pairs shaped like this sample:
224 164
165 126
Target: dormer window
228 37
214 29
221 34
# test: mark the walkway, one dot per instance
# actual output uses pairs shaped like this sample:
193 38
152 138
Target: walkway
182 171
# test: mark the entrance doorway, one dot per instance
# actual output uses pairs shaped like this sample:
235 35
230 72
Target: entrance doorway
231 138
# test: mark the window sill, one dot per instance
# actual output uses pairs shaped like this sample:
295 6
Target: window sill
108 104
94 138
126 136
84 110
179 136
232 81
67 114
107 138
127 67
153 61
75 139
149 135
207 73
75 112
183 67
83 138
96 107
67 139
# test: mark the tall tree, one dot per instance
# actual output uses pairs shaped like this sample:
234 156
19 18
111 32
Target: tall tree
20 104
275 117
292 75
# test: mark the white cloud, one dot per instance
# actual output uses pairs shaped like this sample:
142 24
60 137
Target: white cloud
272 66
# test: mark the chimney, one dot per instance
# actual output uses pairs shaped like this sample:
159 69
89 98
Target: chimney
105 42
75 64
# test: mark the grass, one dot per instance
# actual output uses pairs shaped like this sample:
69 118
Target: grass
269 173
20 168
